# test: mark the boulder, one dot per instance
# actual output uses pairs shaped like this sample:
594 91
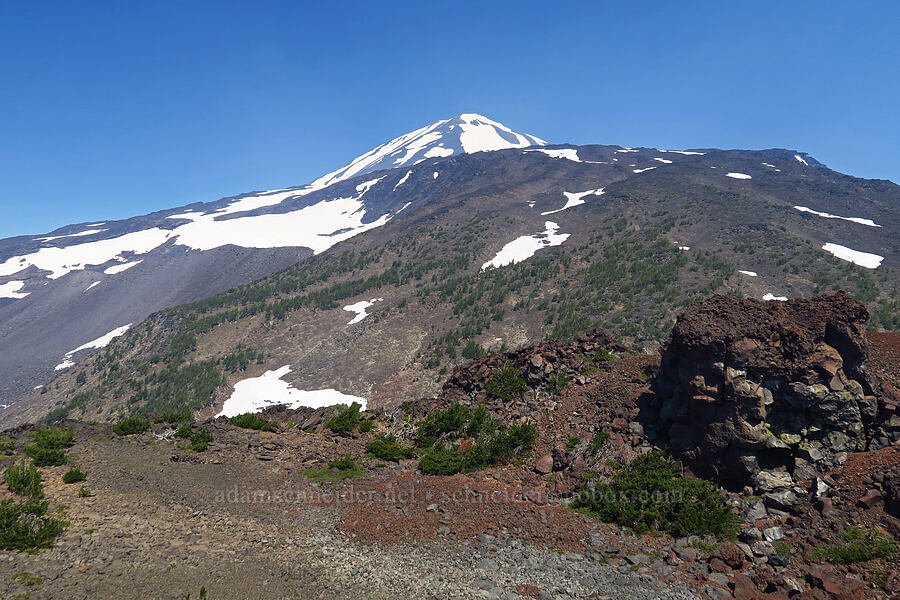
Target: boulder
768 394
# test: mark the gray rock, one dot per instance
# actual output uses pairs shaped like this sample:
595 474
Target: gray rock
773 534
754 512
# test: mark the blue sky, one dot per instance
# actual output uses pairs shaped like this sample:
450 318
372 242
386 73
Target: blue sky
113 109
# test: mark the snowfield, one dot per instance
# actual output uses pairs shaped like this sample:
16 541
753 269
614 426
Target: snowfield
402 181
748 273
642 170
101 342
567 153
524 247
71 235
574 199
769 297
123 267
257 393
10 289
360 309
863 259
859 220
800 159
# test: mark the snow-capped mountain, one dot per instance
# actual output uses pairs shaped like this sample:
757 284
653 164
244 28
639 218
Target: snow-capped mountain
467 133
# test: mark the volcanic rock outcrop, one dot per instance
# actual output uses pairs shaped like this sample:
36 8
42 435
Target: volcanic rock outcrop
769 394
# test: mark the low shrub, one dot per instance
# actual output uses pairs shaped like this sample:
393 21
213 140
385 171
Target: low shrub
46 457
650 495
346 420
337 470
507 383
490 450
441 460
74 475
572 442
855 545
131 425
174 417
25 526
25 480
200 440
53 438
366 426
184 431
7 444
250 421
598 441
386 447
440 422
344 463
84 492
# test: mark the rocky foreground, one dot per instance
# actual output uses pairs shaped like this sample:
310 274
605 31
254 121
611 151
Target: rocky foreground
755 401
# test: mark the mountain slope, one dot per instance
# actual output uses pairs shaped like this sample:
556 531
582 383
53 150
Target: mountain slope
61 290
602 235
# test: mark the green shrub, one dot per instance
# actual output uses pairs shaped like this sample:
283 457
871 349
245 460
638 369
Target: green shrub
649 495
46 457
84 492
855 545
174 417
472 350
52 439
557 383
25 526
386 447
603 355
344 463
598 441
131 425
440 422
25 480
346 420
250 421
184 431
74 475
200 440
480 422
572 442
441 460
507 383
7 444
337 470
366 425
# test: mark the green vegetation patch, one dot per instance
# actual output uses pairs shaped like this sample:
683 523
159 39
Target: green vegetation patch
26 526
337 470
131 425
346 420
74 475
25 480
386 447
250 421
649 495
507 383
854 545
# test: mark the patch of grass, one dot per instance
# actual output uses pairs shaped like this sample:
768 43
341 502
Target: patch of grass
386 447
346 420
26 526
337 470
27 579
507 383
250 421
650 495
131 425
84 492
25 480
854 545
74 475
598 441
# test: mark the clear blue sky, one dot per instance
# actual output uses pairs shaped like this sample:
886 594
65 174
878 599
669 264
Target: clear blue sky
112 109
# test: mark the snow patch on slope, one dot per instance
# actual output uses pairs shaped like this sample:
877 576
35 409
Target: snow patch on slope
525 246
71 235
863 259
119 268
859 220
738 175
769 297
567 153
574 199
257 393
360 309
101 342
11 289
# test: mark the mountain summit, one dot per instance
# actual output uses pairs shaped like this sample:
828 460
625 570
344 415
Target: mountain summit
464 134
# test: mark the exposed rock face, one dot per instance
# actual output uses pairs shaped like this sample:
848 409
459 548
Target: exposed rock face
769 394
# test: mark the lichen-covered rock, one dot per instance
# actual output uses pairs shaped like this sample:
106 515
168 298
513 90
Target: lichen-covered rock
768 393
